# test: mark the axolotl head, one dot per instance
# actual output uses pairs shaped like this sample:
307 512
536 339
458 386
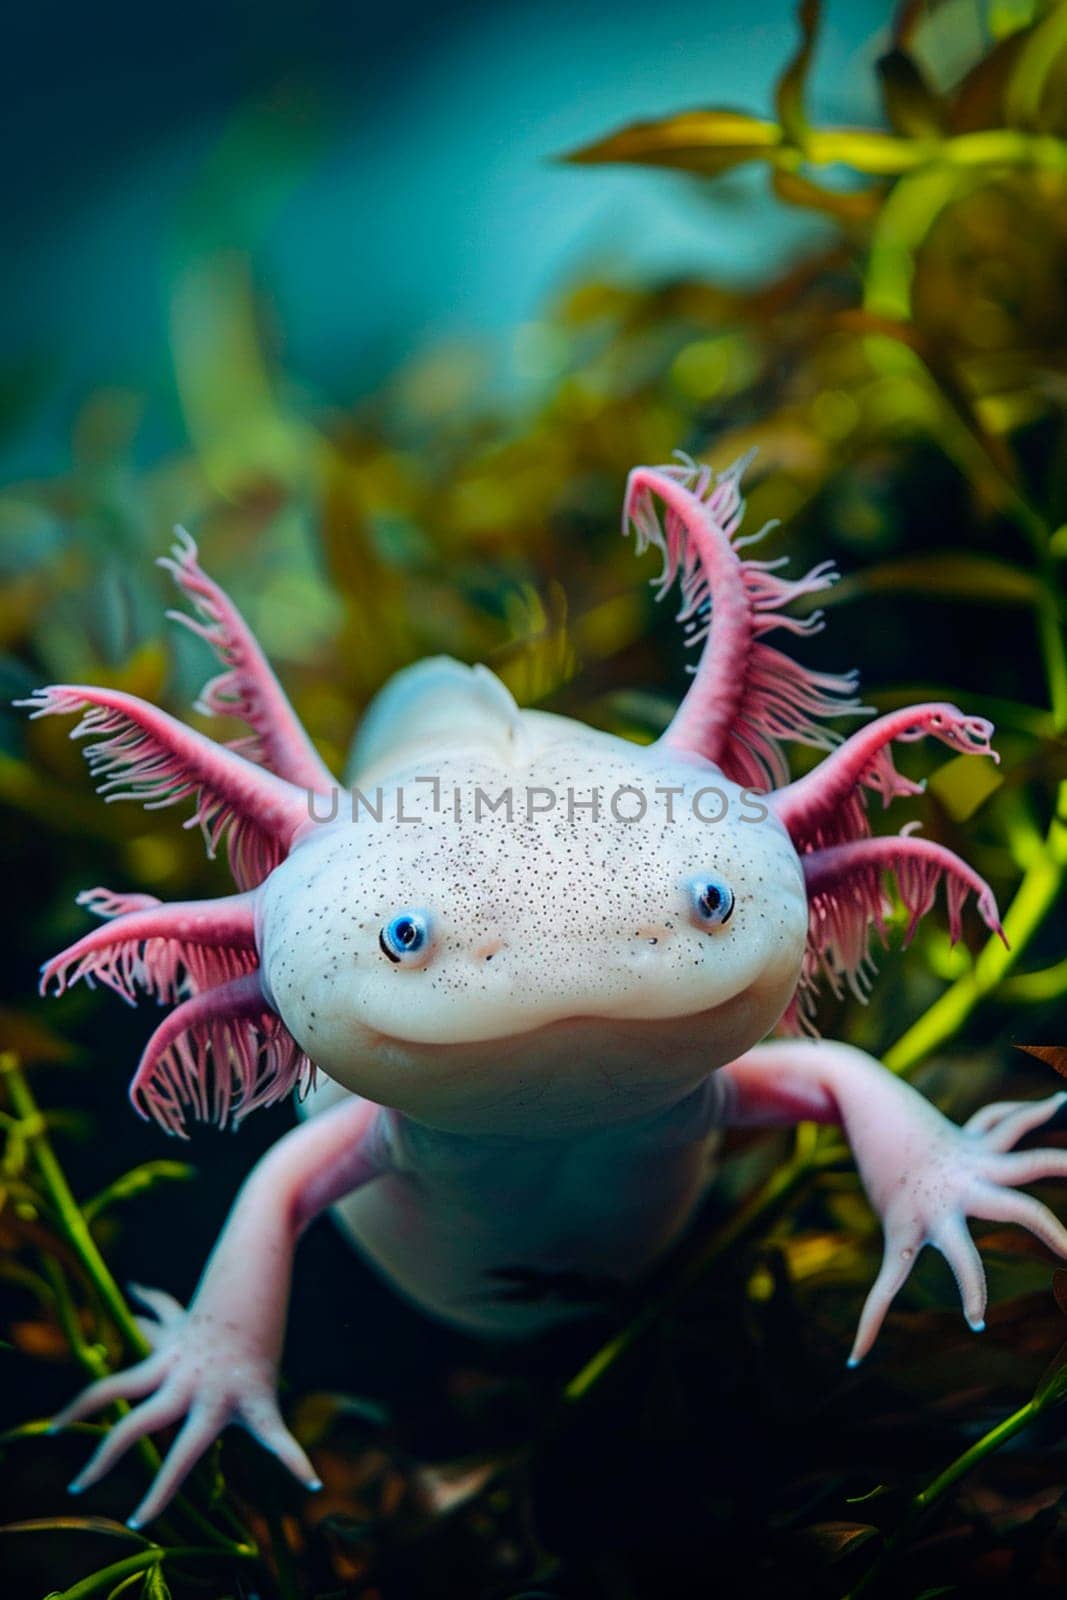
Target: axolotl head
576 934
526 924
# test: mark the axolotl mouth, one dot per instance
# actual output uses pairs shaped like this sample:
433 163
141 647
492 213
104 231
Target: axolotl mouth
570 1071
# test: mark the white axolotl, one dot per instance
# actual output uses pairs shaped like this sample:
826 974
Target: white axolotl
536 1003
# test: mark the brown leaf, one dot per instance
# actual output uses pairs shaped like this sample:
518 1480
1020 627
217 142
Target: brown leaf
846 205
1059 1288
75 1524
708 142
443 1487
978 99
789 95
834 1540
911 105
1014 1242
31 1038
1053 1055
906 22
42 1340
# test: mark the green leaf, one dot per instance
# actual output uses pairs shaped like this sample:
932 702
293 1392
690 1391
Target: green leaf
155 1585
124 1586
137 1181
789 94
708 142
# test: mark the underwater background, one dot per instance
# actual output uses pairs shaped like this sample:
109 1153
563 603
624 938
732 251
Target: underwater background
383 305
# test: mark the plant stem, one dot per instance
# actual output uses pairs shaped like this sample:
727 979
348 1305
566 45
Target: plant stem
924 1502
1050 636
66 1207
928 1497
79 1236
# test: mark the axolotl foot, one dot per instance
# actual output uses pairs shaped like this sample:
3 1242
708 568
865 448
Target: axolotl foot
200 1369
924 1175
948 1174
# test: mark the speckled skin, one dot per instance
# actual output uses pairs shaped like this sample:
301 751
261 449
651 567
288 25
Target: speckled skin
536 1093
569 1006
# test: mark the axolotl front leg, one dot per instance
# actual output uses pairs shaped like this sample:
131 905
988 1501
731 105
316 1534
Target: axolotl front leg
217 1362
923 1174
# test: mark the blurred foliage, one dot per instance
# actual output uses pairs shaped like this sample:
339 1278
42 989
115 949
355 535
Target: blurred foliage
905 388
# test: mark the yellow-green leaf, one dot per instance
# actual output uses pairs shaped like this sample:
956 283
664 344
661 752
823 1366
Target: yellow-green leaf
965 784
155 1586
868 150
40 1428
136 1182
1005 17
1039 57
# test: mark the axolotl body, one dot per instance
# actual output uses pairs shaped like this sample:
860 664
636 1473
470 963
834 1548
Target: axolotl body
524 971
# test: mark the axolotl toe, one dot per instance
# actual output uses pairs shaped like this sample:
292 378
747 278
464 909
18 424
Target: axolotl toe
522 972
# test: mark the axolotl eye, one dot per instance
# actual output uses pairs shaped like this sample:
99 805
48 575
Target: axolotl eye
711 900
406 936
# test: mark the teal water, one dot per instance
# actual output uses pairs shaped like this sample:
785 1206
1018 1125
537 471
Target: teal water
387 176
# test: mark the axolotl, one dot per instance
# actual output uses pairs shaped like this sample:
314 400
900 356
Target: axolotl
521 972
